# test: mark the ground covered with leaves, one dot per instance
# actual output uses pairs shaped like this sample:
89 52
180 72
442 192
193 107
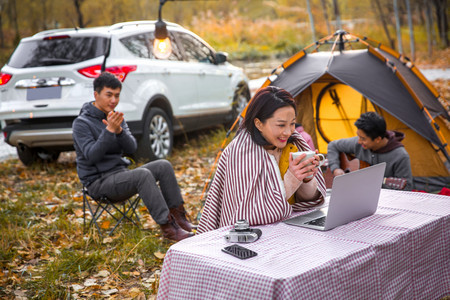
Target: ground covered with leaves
45 253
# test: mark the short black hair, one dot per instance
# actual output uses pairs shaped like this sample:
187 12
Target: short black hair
265 102
106 79
372 124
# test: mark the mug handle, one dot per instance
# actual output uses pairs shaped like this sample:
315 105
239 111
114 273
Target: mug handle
322 159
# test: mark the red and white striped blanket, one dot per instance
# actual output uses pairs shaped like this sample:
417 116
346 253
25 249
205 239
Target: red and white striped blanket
248 186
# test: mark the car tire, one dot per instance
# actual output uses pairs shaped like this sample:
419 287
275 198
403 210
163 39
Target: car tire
157 138
47 155
240 101
26 155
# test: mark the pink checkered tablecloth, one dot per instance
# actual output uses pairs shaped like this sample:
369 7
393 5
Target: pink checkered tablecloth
400 252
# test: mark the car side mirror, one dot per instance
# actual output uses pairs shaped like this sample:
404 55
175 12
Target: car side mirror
221 57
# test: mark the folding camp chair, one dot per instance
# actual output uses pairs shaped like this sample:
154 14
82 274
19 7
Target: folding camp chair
125 210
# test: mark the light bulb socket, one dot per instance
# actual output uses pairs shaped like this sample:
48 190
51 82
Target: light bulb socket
161 30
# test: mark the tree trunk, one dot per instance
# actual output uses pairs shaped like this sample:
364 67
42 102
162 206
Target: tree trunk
13 21
311 20
337 15
325 15
2 37
44 14
398 28
411 31
377 7
79 12
428 24
441 15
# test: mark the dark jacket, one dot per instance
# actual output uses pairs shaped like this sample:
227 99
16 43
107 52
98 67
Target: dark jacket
99 151
394 154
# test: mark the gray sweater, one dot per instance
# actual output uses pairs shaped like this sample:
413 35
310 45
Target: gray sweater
99 151
397 160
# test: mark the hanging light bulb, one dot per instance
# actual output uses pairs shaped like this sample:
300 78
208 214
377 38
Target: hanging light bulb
162 47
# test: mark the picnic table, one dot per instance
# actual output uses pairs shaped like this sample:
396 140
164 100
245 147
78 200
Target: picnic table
400 252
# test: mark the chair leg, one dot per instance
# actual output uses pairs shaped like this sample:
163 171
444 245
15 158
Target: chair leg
104 204
132 207
94 214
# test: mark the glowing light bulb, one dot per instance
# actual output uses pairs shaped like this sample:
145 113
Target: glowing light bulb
162 48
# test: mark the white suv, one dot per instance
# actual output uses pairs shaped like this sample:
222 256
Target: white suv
50 75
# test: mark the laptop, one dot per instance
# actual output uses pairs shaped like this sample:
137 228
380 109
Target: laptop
353 196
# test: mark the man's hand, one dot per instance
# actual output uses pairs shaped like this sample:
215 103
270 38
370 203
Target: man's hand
113 121
338 172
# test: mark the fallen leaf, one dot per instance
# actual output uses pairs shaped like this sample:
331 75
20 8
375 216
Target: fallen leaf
107 240
102 273
134 273
110 292
90 282
134 292
141 296
79 213
20 293
159 255
77 287
105 224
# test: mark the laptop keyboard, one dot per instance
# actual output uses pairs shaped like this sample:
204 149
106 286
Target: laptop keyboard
317 222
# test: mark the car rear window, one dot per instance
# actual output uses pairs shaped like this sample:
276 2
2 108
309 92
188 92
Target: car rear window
57 51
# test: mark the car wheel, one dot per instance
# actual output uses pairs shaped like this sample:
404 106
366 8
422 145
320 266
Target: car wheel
48 156
26 155
157 138
240 101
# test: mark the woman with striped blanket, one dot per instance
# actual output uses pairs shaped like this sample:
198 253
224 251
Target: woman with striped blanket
257 179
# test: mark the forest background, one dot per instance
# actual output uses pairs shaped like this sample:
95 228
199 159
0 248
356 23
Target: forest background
246 29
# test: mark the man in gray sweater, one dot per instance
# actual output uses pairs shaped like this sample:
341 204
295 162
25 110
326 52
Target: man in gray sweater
101 138
373 145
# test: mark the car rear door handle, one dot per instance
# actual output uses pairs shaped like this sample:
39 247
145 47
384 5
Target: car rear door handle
166 71
202 73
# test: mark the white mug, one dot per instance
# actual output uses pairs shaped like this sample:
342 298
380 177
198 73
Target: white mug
309 154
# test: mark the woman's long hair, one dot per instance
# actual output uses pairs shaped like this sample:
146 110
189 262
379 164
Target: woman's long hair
265 102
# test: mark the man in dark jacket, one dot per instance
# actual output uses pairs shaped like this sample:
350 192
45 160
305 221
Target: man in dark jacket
101 137
373 145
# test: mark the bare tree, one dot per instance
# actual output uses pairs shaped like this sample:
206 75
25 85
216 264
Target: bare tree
78 4
12 15
2 37
44 14
428 24
311 20
441 16
337 14
398 27
325 15
377 7
411 31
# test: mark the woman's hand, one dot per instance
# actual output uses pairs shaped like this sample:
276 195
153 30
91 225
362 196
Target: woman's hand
301 170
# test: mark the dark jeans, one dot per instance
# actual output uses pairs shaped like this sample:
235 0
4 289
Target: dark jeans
121 185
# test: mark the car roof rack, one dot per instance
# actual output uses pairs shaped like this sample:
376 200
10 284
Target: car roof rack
137 23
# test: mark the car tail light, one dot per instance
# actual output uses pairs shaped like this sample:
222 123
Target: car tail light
58 37
120 72
91 72
4 78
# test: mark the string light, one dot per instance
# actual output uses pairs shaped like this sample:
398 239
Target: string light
162 46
